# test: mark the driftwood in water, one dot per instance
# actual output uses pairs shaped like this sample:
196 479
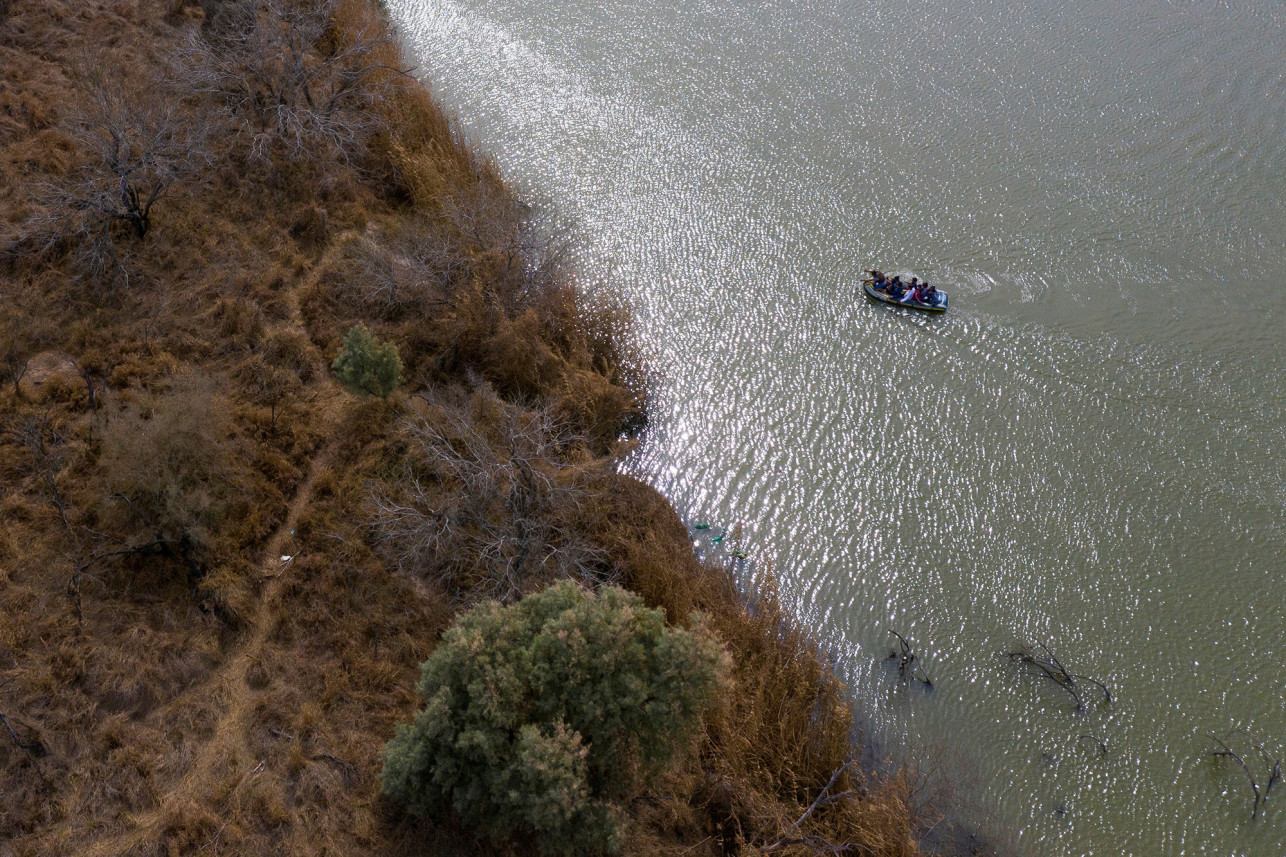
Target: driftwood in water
1044 660
906 658
1272 766
1098 742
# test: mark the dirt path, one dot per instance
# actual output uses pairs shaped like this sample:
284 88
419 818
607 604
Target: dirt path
226 748
225 756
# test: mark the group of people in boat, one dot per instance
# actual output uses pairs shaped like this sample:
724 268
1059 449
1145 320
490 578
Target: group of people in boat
914 291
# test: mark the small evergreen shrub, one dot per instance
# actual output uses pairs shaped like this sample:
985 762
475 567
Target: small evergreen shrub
364 365
540 715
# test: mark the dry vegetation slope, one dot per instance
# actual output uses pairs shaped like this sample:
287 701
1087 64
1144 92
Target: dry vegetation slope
198 200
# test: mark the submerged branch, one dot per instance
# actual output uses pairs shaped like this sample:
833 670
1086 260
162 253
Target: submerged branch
906 658
1272 766
1044 660
1098 742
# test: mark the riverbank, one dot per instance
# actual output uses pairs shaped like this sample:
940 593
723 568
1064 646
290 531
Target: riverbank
212 620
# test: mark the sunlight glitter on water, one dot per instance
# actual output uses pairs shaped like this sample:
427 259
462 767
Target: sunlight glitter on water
1075 453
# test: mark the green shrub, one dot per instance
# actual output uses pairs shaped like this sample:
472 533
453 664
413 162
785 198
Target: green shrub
541 715
366 366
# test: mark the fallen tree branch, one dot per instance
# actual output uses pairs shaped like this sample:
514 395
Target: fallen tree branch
1271 763
84 569
1044 660
1098 742
817 843
906 659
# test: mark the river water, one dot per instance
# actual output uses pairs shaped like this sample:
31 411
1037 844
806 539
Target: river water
1088 450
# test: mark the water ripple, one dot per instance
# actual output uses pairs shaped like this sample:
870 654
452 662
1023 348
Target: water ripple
1086 451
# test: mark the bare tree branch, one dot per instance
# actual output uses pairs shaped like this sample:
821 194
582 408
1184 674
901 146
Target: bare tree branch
1098 742
289 89
1044 660
818 843
1272 765
15 354
139 146
42 440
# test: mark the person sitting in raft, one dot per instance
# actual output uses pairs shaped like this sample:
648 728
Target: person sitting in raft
913 290
877 279
930 295
894 288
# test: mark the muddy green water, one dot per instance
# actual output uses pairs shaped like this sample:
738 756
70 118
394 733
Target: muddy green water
1088 450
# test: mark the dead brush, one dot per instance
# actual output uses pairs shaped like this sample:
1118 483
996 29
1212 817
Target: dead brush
482 506
239 324
419 155
137 147
299 84
310 226
785 741
525 361
605 411
521 254
406 275
796 700
483 288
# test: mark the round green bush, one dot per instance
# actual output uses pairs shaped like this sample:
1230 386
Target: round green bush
539 715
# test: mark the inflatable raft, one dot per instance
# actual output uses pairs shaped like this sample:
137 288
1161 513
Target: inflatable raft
939 306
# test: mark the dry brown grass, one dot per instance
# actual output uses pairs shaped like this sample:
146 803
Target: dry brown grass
239 705
778 738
